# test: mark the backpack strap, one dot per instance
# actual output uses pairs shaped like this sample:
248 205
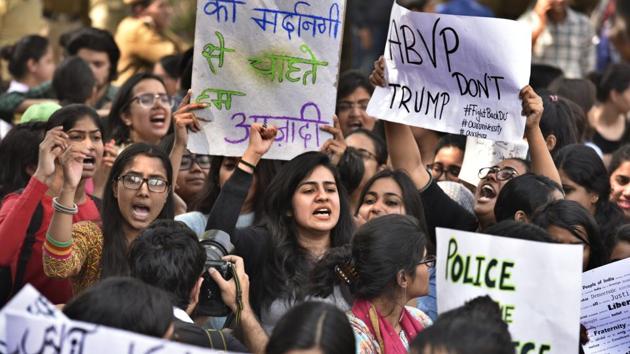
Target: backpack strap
27 247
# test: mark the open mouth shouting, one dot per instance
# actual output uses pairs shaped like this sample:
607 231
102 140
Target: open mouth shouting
487 193
140 212
158 120
322 213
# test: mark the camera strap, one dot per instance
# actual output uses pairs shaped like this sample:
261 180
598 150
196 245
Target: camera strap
239 295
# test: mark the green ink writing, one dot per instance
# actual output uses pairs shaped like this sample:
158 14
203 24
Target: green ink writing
531 348
222 99
507 312
490 273
213 52
272 66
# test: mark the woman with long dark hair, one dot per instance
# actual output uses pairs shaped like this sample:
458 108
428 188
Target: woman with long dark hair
312 326
385 266
78 130
141 111
138 191
620 179
306 213
568 222
18 156
221 169
390 192
585 180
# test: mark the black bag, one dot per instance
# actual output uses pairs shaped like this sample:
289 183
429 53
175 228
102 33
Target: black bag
7 287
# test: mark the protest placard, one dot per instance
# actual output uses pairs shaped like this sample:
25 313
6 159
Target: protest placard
537 285
455 74
482 153
606 308
36 326
30 301
265 61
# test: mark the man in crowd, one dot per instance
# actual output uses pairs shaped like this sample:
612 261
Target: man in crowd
169 256
94 46
561 37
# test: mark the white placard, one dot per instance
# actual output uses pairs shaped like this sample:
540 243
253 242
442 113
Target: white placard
36 326
606 308
536 284
456 74
266 61
482 153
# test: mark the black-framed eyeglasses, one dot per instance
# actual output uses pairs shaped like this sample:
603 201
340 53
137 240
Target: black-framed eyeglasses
429 261
203 161
502 174
438 169
147 100
343 106
135 182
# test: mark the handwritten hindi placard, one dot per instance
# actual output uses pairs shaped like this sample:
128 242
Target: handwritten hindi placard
537 285
36 326
606 308
482 153
455 74
266 61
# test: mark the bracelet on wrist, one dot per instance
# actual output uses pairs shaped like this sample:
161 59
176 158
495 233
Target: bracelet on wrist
250 165
64 209
50 239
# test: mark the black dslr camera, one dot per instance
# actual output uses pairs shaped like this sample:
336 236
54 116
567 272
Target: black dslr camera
217 245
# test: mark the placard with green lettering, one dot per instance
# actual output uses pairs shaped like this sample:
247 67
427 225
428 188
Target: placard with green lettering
272 62
536 284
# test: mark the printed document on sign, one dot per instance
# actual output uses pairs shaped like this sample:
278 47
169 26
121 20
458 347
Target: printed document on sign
606 308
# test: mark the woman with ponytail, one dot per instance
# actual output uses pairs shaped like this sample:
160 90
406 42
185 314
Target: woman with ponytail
385 266
30 62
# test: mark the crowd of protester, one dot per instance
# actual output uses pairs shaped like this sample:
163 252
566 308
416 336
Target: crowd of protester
106 213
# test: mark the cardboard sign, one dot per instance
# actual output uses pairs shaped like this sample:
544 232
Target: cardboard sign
456 74
266 61
537 285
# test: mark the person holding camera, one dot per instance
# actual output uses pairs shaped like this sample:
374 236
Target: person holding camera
168 255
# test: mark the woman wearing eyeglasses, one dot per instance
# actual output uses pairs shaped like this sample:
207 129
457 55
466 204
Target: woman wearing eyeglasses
447 213
141 111
191 175
385 266
252 208
137 192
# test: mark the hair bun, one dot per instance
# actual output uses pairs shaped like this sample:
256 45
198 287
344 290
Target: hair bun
6 52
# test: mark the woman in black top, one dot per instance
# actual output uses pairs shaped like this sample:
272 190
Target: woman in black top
306 213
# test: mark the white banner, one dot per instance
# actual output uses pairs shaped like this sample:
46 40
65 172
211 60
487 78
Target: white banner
456 74
266 61
31 324
482 153
537 285
606 308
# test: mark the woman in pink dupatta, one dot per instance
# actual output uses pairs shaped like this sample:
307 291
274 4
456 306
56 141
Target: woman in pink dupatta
385 266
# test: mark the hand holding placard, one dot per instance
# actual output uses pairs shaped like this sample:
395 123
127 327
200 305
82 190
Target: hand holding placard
440 75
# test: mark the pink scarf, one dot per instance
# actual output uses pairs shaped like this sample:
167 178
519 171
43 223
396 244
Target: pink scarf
388 340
